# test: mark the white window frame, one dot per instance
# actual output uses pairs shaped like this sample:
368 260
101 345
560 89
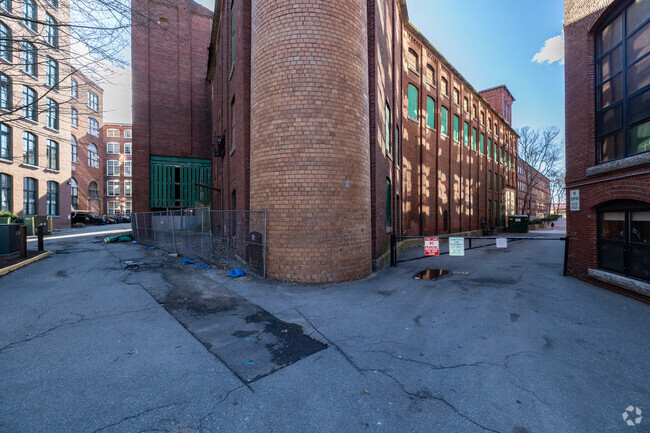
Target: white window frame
113 188
128 133
110 167
128 149
128 207
128 168
93 101
112 206
128 192
113 133
93 127
110 148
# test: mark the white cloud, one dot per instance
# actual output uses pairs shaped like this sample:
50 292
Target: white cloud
552 51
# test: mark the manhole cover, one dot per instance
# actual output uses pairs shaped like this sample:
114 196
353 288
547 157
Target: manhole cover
431 274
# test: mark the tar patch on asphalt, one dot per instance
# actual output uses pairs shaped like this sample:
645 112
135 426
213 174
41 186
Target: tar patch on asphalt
249 340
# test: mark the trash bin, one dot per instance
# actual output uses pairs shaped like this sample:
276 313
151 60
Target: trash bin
9 239
34 221
518 223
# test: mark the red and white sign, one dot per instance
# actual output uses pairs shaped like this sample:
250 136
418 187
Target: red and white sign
431 246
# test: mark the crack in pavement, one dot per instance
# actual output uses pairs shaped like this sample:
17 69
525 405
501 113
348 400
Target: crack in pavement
426 395
334 345
209 414
450 367
82 318
134 416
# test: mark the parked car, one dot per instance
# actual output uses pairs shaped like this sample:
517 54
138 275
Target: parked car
109 219
87 218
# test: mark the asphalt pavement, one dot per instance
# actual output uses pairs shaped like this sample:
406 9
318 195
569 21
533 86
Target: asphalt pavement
118 338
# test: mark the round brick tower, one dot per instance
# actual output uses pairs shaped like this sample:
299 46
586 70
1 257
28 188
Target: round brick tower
310 162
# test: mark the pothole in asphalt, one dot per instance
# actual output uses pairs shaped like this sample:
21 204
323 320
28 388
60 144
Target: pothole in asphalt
431 274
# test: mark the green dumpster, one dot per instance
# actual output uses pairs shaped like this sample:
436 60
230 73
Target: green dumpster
34 221
518 223
9 239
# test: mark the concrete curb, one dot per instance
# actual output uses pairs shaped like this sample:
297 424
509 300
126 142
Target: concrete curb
5 271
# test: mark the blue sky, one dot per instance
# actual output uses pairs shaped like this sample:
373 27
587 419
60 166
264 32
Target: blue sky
494 42
491 43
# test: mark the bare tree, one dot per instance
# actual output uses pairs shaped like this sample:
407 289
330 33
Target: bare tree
558 191
540 150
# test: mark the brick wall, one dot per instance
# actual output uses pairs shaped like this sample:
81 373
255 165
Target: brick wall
623 183
123 201
171 98
309 135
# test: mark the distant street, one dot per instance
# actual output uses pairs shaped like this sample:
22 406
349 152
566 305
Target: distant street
118 338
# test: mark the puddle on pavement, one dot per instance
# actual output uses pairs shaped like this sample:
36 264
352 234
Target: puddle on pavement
431 274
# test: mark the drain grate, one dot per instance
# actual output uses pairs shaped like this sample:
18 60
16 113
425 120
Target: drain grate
431 274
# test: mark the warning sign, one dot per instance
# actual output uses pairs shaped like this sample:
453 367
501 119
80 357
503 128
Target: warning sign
456 246
431 246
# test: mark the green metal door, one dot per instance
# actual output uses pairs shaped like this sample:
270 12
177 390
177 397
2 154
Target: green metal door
174 182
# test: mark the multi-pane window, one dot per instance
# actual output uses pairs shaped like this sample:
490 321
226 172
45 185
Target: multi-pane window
93 190
624 239
456 128
5 192
30 191
5 142
30 105
93 101
431 113
482 144
112 167
489 148
466 134
73 143
5 92
127 133
474 111
52 155
74 117
412 61
93 127
113 133
113 188
128 168
6 5
52 198
113 207
443 85
128 207
623 84
52 72
74 89
413 102
128 188
466 104
482 118
74 192
127 148
52 31
431 75
456 96
5 42
54 3
93 157
29 60
112 148
52 114
30 148
387 129
29 15
444 121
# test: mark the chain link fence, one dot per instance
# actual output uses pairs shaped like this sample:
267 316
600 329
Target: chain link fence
223 237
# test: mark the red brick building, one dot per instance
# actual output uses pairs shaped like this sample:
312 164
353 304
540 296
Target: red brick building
352 128
534 191
608 141
118 169
87 156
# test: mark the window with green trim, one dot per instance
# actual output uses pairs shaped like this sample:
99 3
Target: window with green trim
489 180
387 129
482 144
474 138
443 121
489 148
466 134
456 128
387 202
413 102
431 113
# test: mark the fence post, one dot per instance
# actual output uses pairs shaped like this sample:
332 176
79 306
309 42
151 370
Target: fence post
393 249
566 255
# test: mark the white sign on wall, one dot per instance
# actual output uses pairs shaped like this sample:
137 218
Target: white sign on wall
575 199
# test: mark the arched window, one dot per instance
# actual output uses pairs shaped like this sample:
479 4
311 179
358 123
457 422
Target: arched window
5 92
29 15
74 192
93 191
73 143
93 157
412 61
431 75
443 85
52 198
